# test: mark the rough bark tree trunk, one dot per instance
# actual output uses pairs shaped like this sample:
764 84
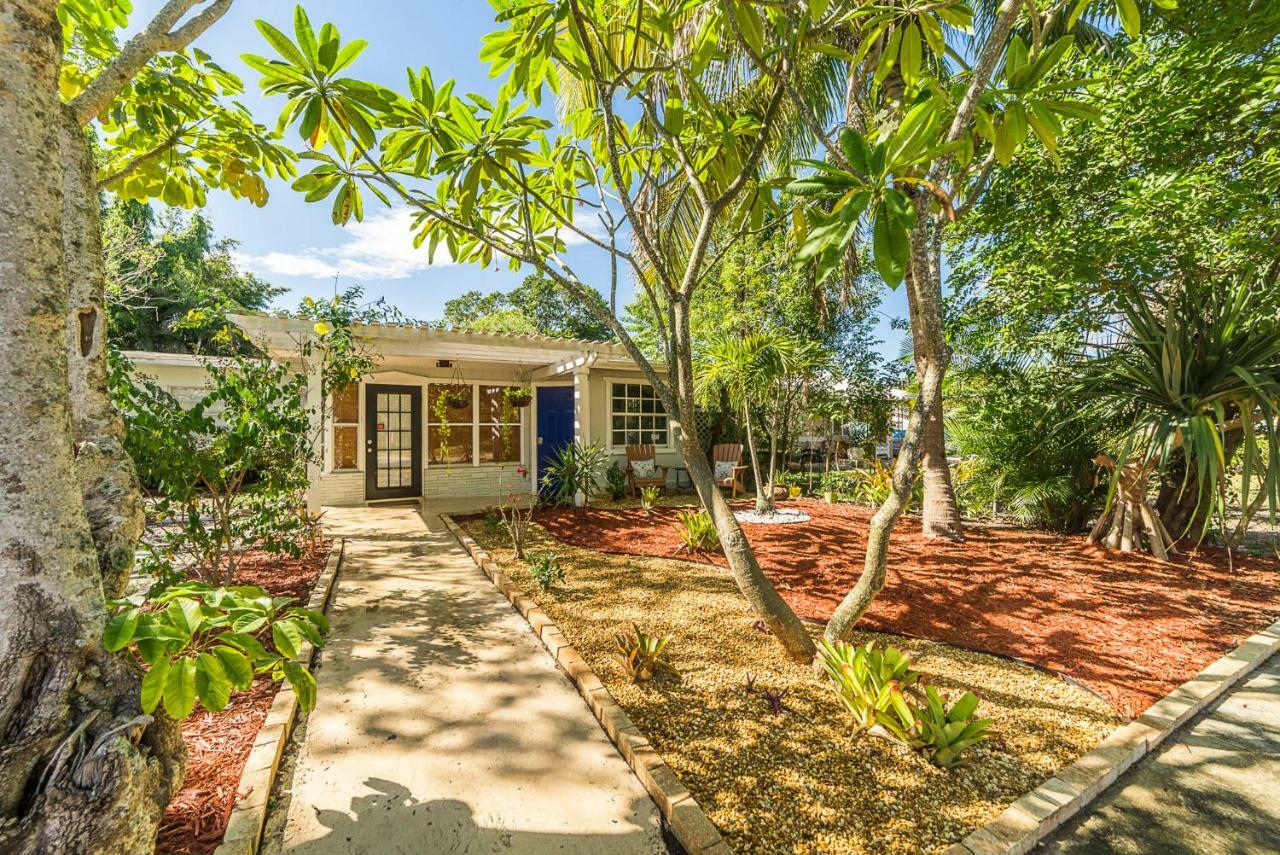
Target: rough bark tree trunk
743 566
941 512
81 770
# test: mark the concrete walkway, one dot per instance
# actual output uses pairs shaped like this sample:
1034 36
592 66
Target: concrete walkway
442 725
1212 789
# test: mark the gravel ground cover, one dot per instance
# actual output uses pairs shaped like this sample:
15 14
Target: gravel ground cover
798 781
218 744
1129 627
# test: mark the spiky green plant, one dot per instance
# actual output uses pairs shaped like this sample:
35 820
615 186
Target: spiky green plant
640 654
1187 364
697 531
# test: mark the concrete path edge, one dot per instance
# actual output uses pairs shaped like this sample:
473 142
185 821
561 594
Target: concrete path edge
249 814
1033 816
681 812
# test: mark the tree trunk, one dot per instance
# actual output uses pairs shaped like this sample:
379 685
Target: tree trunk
906 469
80 769
924 300
764 504
875 563
744 568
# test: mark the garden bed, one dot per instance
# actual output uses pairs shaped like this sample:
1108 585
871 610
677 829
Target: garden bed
1126 626
798 781
218 744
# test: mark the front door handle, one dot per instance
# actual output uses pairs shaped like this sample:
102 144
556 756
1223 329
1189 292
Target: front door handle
539 440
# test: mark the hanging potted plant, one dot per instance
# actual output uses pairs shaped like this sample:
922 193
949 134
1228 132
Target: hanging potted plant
457 399
519 396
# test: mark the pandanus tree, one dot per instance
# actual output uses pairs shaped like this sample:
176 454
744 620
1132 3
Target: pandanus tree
82 769
764 373
1185 367
490 179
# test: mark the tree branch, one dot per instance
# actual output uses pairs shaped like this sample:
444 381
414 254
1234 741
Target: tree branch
157 37
141 160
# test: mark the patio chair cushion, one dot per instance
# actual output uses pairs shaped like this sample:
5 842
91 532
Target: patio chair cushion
644 468
724 469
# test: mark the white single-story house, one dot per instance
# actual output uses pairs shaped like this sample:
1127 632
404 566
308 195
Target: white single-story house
435 418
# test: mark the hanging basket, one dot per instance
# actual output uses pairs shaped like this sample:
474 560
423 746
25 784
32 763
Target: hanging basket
457 400
518 397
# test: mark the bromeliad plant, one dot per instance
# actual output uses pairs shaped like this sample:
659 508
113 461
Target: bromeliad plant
640 654
202 642
880 689
867 678
649 498
697 531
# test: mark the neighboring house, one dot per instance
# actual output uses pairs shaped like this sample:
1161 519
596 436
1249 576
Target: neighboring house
394 435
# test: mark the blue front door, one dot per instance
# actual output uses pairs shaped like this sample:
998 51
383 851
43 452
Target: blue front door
555 423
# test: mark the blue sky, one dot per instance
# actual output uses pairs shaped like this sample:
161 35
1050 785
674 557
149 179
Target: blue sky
293 244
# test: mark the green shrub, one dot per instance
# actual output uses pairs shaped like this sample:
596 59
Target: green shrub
1007 425
866 677
697 531
615 481
230 471
546 570
204 642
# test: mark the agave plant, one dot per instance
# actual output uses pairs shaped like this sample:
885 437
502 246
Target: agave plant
640 654
1190 364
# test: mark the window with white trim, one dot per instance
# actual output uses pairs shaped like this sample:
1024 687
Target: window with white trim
636 416
473 424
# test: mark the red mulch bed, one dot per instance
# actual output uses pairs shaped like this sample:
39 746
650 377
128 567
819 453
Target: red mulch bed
218 743
1127 627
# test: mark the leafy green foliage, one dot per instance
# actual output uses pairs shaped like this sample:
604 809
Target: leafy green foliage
1173 180
615 481
345 357
867 678
574 470
879 688
546 570
229 470
536 306
640 654
201 642
172 291
1025 448
176 129
697 531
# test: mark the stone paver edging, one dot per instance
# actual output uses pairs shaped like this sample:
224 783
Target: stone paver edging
684 816
1032 817
244 829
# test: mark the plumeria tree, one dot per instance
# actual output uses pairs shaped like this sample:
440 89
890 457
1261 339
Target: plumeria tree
932 104
493 180
83 769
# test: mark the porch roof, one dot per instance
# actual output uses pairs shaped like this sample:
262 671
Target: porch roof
283 337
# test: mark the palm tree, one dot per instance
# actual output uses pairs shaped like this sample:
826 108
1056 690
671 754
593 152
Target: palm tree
762 372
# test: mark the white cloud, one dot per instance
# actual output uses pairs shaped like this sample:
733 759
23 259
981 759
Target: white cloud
379 248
